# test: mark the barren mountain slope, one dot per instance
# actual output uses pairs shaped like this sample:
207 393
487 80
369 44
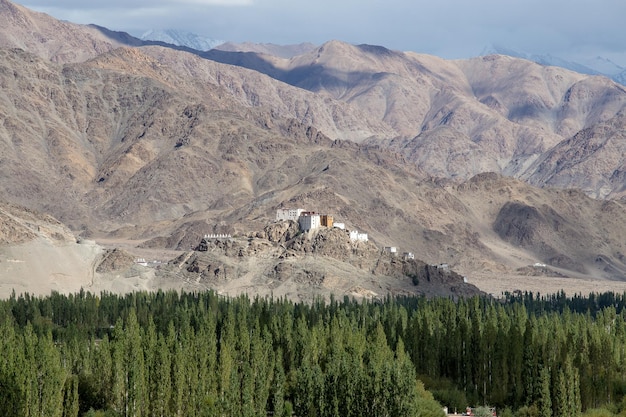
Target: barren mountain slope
142 158
49 38
550 98
592 160
452 119
456 118
39 253
566 229
126 127
334 118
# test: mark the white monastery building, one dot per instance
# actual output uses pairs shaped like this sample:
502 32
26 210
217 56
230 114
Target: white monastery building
309 221
355 236
288 214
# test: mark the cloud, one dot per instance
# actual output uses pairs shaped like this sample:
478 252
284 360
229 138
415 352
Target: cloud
449 28
130 4
221 2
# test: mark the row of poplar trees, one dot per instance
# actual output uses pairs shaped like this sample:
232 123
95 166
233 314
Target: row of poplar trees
182 354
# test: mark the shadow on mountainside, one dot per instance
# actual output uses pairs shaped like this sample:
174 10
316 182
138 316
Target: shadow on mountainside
309 77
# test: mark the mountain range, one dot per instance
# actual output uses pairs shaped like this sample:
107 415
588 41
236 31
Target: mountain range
181 38
595 65
490 165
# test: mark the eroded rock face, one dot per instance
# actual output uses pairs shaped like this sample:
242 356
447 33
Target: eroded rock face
213 271
520 223
532 227
279 232
115 260
320 260
20 224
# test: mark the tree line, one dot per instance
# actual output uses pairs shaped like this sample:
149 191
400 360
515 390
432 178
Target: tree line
201 354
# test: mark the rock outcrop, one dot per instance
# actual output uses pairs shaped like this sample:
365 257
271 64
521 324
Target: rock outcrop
281 255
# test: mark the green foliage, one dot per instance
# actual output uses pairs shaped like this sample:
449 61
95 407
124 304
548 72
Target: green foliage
598 412
101 413
482 412
447 394
622 407
11 395
70 397
544 400
507 412
527 411
175 354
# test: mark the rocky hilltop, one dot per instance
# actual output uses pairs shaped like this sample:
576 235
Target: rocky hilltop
38 255
283 261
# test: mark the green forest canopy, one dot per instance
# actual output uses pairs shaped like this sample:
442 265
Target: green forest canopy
200 354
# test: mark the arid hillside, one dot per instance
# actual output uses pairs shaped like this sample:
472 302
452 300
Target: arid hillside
486 165
49 38
456 119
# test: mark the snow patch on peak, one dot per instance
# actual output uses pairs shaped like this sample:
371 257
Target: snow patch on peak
597 65
181 38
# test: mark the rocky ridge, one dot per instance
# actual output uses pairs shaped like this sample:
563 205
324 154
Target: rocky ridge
288 262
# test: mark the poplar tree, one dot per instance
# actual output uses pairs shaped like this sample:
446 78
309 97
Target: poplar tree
544 400
560 396
135 367
70 397
277 390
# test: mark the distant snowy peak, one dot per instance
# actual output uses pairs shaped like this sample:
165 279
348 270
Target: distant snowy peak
181 38
545 59
604 66
592 66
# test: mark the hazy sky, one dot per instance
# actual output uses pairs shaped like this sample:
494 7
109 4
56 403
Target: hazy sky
448 28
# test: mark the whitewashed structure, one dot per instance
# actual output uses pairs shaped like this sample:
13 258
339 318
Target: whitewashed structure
355 236
288 214
218 236
391 249
309 221
341 226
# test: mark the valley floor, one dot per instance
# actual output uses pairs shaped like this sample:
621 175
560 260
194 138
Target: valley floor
73 266
496 285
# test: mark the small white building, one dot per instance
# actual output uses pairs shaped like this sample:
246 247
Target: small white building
217 236
409 255
341 226
391 249
288 214
355 236
309 221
